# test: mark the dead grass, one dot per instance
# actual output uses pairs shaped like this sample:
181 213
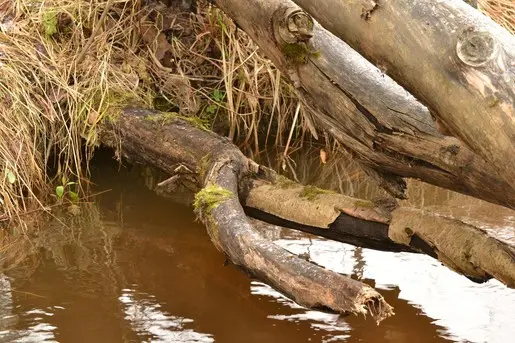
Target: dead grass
502 11
66 65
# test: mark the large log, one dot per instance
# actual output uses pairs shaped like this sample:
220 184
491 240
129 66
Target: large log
212 161
386 129
222 170
453 58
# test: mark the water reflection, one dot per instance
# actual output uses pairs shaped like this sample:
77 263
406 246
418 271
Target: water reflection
139 268
467 311
152 324
334 329
37 327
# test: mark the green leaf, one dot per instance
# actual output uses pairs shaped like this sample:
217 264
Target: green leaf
218 95
73 196
211 109
59 191
50 23
71 183
10 176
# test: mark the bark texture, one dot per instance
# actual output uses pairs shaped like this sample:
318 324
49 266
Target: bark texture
385 127
229 179
222 170
457 61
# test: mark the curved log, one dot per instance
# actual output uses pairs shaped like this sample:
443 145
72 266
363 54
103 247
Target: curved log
457 61
386 128
200 157
219 167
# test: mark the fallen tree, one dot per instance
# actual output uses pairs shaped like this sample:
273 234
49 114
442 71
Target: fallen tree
385 128
222 171
227 180
456 60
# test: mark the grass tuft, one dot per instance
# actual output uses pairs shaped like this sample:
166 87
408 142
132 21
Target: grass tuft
66 66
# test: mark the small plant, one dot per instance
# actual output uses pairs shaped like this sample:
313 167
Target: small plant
64 190
11 177
50 23
217 98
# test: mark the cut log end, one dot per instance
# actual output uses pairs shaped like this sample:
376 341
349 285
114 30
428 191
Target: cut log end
306 283
476 48
378 308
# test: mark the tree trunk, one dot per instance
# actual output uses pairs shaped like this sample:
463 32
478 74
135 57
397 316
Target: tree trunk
456 60
387 130
228 179
217 165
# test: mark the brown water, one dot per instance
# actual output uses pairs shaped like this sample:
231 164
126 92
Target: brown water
138 268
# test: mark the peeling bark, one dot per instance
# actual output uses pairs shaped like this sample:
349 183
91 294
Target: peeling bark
385 128
454 59
216 164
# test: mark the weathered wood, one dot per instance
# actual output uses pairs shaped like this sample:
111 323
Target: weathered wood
461 246
456 60
384 127
202 155
467 248
304 282
372 116
222 169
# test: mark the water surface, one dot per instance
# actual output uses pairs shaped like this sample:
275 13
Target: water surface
139 268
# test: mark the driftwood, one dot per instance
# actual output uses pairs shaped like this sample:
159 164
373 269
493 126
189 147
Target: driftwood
457 61
385 128
229 180
222 170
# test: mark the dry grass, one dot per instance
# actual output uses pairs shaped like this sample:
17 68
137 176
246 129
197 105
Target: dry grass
65 65
502 11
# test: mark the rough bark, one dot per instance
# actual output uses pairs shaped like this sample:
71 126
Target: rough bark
212 161
454 59
222 170
385 127
468 248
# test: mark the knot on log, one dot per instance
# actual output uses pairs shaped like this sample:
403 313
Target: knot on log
292 25
475 48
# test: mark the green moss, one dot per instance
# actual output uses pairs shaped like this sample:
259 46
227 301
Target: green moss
298 53
311 192
364 203
283 182
50 23
209 197
110 106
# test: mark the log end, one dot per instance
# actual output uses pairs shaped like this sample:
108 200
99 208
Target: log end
475 48
372 301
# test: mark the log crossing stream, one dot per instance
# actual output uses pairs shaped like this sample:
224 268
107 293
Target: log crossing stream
140 268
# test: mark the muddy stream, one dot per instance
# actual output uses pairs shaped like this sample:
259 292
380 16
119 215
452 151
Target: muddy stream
134 267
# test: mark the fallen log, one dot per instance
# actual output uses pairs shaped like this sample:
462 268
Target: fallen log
222 170
384 127
454 59
467 248
228 179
